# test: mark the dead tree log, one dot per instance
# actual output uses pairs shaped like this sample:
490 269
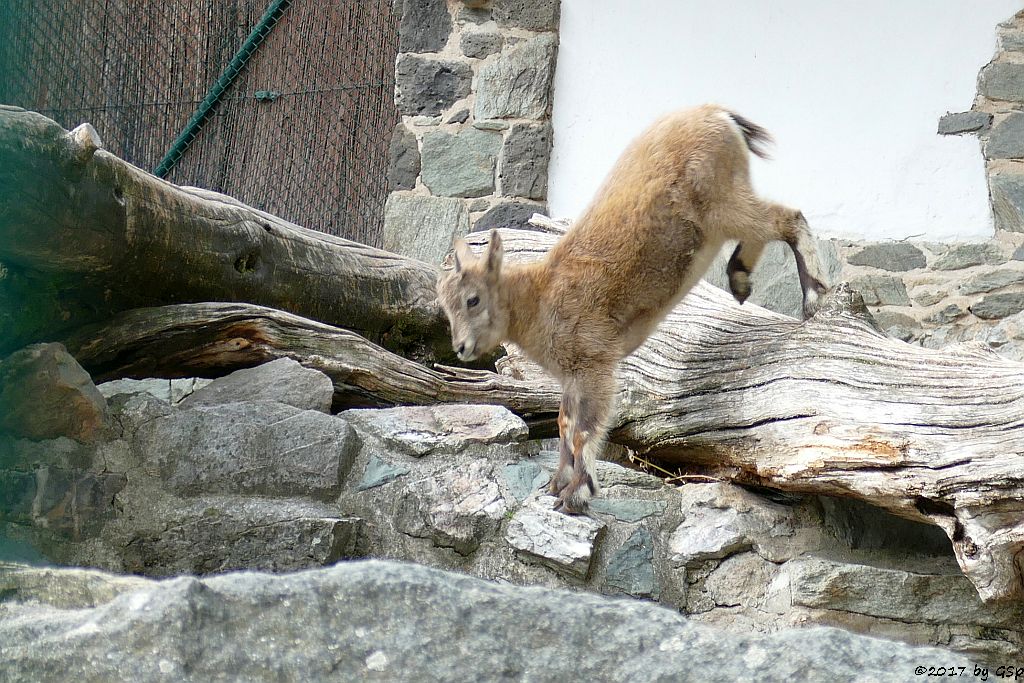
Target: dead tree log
84 234
829 406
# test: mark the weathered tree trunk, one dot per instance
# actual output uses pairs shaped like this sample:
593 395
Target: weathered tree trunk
828 406
84 234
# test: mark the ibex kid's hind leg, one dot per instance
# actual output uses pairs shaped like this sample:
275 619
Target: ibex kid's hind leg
591 397
808 266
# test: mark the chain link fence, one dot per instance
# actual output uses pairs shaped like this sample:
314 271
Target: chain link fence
299 94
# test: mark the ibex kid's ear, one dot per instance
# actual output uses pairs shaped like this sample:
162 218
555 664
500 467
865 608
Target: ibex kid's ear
462 254
495 253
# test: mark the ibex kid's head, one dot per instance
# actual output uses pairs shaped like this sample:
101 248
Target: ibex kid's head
470 298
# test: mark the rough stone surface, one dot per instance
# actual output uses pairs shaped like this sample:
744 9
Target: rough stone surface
425 26
444 428
892 594
403 159
45 394
461 116
379 472
898 325
627 509
533 15
524 161
404 622
509 215
1008 203
881 290
428 86
1002 81
460 164
564 543
480 44
892 256
524 478
930 298
719 520
258 448
423 227
999 305
992 280
1006 141
960 256
219 535
168 390
775 282
945 315
518 83
964 122
283 380
455 510
631 567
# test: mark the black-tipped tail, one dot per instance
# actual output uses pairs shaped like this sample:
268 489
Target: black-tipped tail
758 139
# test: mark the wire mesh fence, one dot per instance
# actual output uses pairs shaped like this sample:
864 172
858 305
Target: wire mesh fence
301 129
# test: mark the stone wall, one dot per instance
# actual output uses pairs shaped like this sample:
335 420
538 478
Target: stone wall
474 88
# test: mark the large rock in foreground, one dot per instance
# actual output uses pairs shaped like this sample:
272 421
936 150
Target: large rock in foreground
387 621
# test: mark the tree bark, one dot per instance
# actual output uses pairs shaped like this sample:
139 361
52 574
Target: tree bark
84 234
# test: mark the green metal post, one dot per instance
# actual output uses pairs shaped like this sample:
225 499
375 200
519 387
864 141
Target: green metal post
274 12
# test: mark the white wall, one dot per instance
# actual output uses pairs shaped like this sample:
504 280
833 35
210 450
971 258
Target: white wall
851 91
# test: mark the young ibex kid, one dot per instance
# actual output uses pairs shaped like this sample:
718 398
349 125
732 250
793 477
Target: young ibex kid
674 197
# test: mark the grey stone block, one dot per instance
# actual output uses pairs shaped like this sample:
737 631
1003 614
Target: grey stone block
898 325
1006 141
1008 204
964 122
524 161
945 316
427 86
881 290
460 116
999 305
460 164
992 280
423 227
518 83
960 256
562 542
225 534
533 15
631 567
930 298
418 431
425 26
403 159
283 380
481 44
892 256
455 509
45 394
168 390
514 214
261 448
1002 81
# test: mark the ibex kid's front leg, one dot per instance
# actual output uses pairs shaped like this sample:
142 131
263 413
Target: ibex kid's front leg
591 399
561 477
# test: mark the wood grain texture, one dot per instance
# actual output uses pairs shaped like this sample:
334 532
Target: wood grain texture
84 224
